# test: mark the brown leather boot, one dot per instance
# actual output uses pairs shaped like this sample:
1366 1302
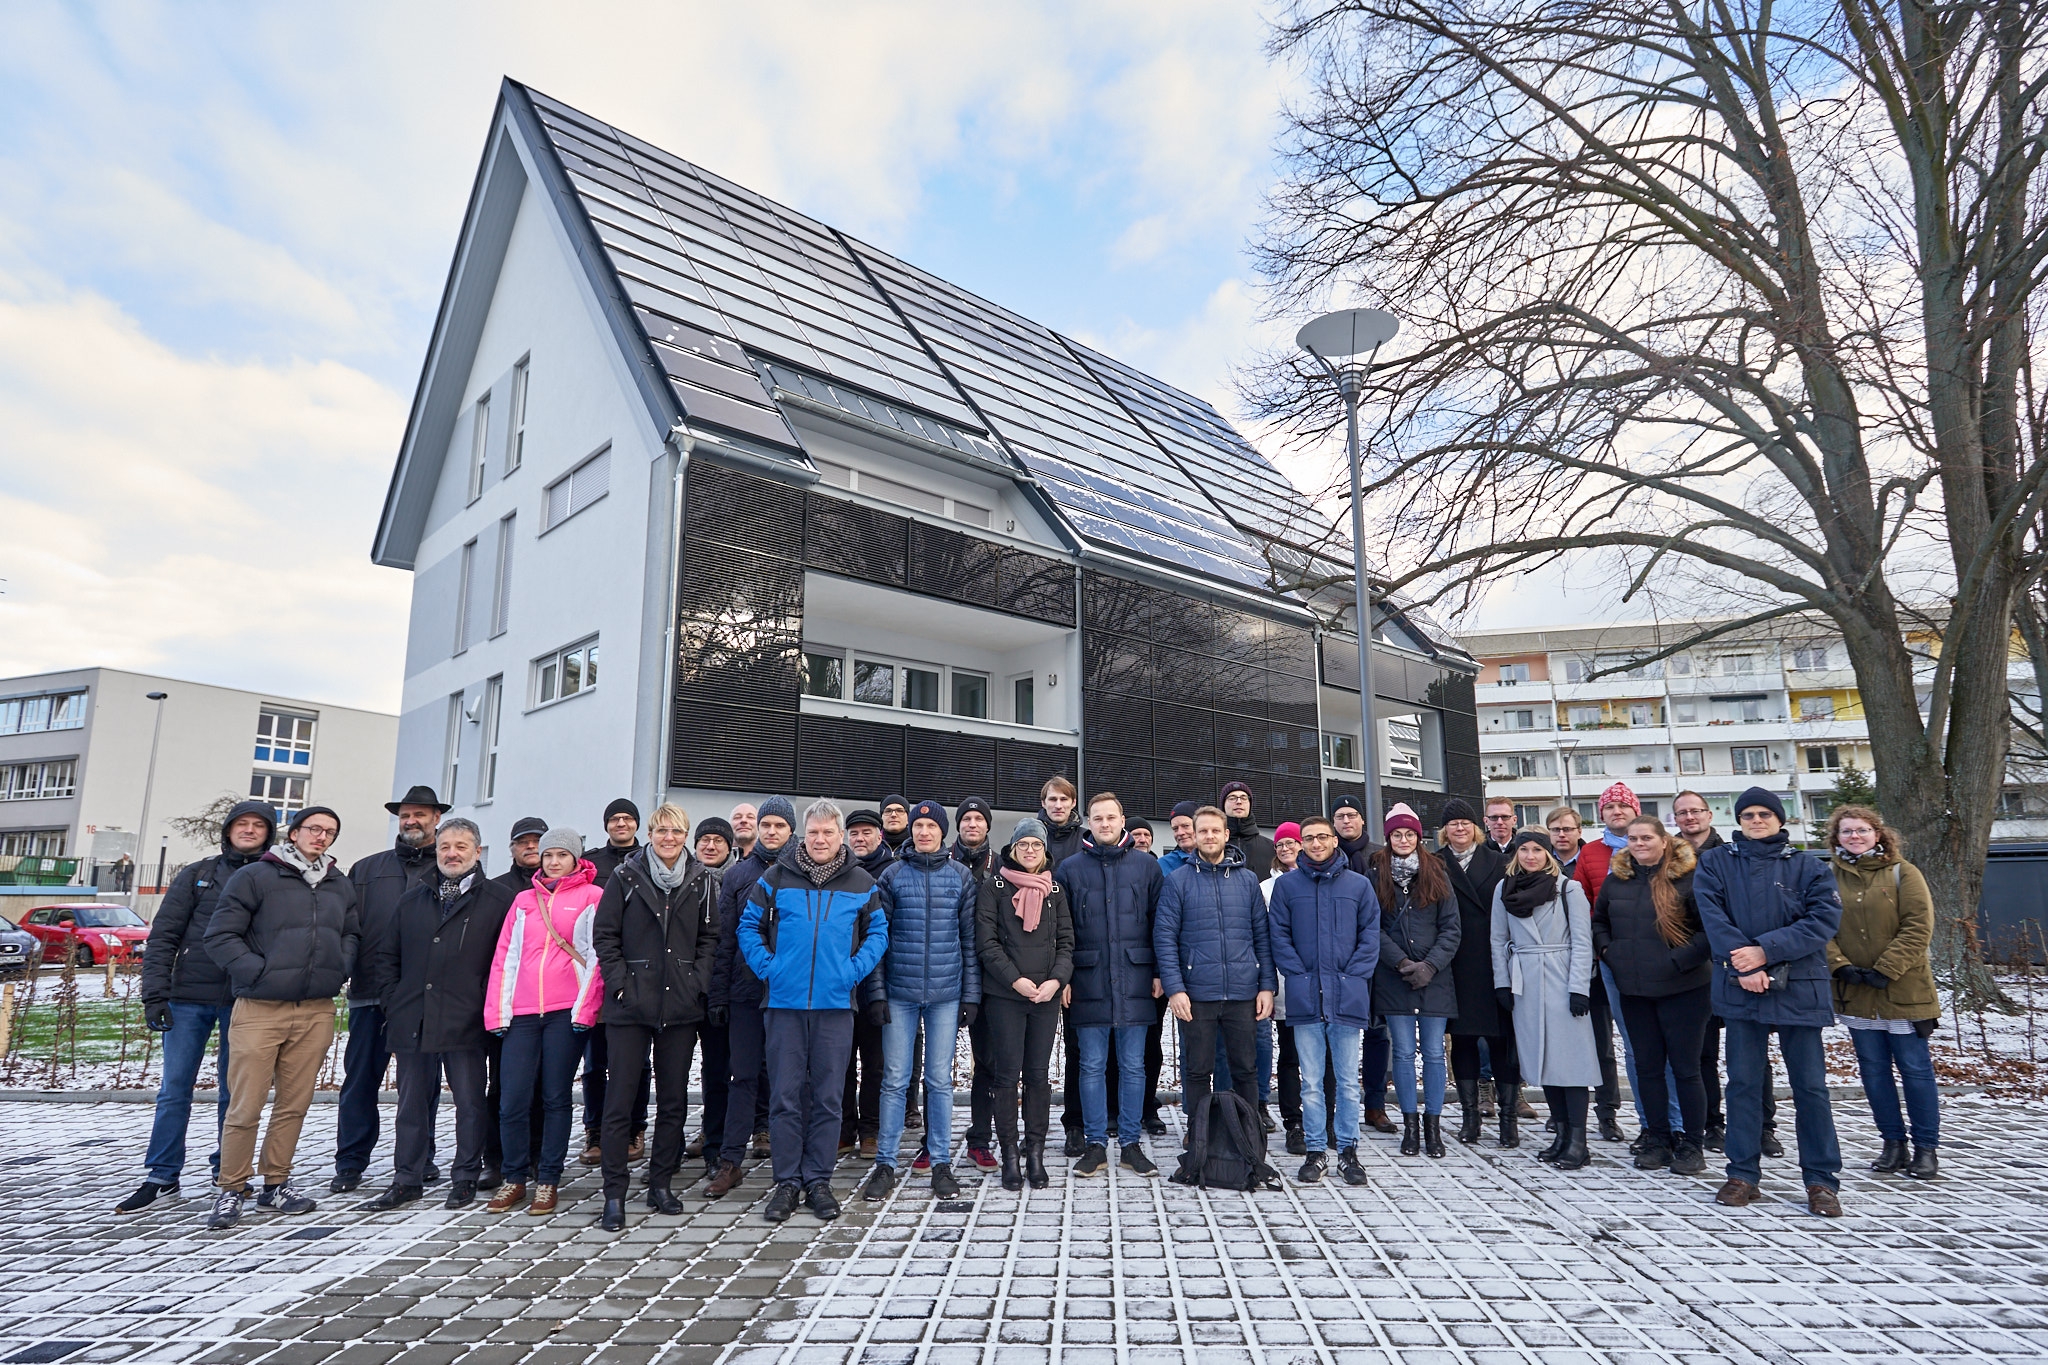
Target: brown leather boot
635 1149
1737 1194
722 1182
543 1200
1823 1202
593 1149
508 1198
1377 1120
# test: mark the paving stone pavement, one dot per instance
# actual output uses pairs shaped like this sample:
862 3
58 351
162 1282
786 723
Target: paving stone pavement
1485 1257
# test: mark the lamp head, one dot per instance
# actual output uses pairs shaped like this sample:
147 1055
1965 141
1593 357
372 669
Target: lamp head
1347 332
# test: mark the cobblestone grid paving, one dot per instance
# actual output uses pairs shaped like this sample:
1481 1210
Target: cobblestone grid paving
1484 1257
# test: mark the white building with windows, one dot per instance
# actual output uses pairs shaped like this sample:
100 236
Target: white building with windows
74 763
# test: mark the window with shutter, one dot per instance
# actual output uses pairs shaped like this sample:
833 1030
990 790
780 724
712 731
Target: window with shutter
576 490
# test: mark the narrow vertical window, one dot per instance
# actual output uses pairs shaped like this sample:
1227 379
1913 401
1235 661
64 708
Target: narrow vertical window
465 584
479 447
515 439
494 706
451 746
501 580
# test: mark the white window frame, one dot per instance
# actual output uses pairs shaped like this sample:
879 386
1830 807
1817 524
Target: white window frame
479 447
1816 708
494 723
515 438
501 576
293 785
1507 675
1577 716
1029 683
1589 765
39 779
952 692
451 746
1743 766
465 581
1332 741
585 652
835 655
1822 751
1698 760
298 754
559 500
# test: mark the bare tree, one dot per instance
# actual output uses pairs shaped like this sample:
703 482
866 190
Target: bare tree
203 827
1735 295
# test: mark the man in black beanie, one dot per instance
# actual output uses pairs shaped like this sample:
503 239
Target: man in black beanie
860 1106
896 823
622 833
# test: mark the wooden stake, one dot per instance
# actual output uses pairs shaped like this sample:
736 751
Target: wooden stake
6 1015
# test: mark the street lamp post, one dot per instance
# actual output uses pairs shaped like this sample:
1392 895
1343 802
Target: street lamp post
1336 336
148 789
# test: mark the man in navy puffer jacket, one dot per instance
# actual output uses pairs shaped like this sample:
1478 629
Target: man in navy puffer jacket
932 974
1326 943
1215 956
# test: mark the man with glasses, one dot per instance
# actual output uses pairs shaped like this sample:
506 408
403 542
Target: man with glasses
286 933
1696 821
1500 823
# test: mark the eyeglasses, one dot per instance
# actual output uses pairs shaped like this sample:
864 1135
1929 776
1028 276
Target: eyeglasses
1319 838
319 831
669 829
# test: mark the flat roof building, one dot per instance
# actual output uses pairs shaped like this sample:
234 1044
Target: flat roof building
705 499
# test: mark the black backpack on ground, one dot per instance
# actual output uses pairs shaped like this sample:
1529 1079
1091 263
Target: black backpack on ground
1226 1147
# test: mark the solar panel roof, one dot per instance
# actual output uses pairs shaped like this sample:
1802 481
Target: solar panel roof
727 283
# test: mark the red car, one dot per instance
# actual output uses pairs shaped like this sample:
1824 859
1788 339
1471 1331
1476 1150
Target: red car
89 934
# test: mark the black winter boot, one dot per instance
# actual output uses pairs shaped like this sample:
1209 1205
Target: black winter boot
1468 1110
1925 1165
1557 1143
1034 1163
1433 1134
1411 1135
1610 1126
1892 1158
1510 1101
1013 1175
1574 1156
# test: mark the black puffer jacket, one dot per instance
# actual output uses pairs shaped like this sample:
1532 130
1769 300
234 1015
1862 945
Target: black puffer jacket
732 981
381 881
655 948
1256 847
176 965
1625 933
436 965
279 938
1007 952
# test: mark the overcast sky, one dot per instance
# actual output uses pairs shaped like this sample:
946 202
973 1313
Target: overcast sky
225 230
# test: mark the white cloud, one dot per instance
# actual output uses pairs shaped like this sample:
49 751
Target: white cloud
200 518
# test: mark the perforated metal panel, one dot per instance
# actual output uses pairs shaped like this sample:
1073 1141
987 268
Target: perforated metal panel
856 540
953 564
1032 585
724 661
759 516
1187 733
1129 776
1111 721
938 766
1022 769
723 583
1174 782
852 758
733 747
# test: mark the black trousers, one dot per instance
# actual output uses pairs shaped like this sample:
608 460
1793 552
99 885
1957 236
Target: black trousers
1021 1034
1670 1029
717 1043
419 1097
1375 1065
629 1045
596 1067
860 1100
1155 1057
747 1046
1567 1102
1507 1065
1608 1097
981 1115
1236 1021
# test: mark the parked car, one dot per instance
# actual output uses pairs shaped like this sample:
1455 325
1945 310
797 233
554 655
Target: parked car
87 935
20 951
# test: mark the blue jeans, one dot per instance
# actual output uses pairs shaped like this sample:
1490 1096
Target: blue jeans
1877 1054
184 1049
541 1050
1130 1082
1404 1030
1341 1044
1749 1071
364 1059
1628 1061
899 1040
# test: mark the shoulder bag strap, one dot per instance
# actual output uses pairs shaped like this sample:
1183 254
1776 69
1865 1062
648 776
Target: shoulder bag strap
547 921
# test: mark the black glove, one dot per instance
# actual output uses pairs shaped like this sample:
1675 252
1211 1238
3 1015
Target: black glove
717 1016
1870 976
878 1013
1581 1005
1505 998
970 1010
157 1014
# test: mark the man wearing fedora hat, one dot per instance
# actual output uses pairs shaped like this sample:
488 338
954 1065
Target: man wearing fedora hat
381 881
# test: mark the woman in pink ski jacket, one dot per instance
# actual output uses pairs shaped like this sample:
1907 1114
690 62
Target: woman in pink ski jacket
544 992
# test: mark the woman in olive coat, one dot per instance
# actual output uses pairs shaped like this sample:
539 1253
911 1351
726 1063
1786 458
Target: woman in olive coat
1884 983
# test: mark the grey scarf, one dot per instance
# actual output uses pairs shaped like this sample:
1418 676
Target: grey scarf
662 875
1405 866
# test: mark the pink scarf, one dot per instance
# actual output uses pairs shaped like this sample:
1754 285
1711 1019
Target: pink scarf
1031 891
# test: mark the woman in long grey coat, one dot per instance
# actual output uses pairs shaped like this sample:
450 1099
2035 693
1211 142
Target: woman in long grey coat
1543 972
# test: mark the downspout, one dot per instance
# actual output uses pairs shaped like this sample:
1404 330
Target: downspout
678 436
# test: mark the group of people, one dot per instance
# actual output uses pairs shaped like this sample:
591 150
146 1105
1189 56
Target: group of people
817 964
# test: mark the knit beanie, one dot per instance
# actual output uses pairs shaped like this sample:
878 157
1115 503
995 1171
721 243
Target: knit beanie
1457 808
1288 830
1619 795
711 824
933 811
892 799
299 817
564 838
1347 803
1401 817
1755 796
621 807
1187 808
1030 827
1228 788
781 808
974 803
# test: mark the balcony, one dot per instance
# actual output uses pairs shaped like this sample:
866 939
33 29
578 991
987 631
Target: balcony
1815 728
1722 684
1821 679
1610 689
